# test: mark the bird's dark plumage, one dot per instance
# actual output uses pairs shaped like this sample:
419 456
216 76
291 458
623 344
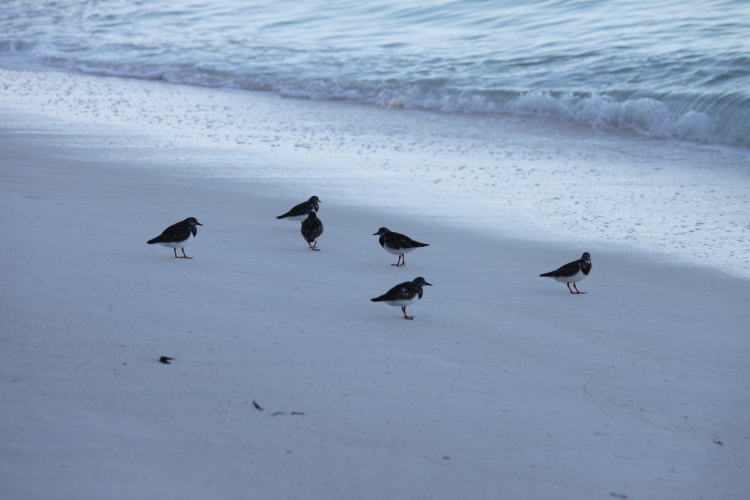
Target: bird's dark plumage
404 294
397 244
177 235
572 272
311 229
299 212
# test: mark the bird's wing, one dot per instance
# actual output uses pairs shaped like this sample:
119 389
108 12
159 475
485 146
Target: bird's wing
312 228
401 292
398 241
176 233
303 208
568 269
398 292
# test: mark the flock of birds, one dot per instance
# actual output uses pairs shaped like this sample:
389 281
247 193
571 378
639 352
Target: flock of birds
404 294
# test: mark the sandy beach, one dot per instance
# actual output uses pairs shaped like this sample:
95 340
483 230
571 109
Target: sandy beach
503 386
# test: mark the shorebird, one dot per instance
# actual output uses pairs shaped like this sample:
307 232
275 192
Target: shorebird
397 244
178 235
311 229
403 295
572 272
299 212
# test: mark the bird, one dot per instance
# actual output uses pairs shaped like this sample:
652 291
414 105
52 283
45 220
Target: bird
403 294
178 235
299 212
311 229
572 272
397 244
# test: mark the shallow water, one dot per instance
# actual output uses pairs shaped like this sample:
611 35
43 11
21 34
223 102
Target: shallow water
673 69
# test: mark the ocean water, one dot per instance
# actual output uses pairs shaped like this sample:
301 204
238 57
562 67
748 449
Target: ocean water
669 69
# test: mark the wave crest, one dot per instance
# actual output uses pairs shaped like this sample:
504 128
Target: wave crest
718 118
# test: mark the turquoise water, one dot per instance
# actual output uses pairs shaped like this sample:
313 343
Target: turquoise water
672 69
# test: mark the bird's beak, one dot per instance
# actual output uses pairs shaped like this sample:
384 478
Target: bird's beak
198 224
375 234
428 284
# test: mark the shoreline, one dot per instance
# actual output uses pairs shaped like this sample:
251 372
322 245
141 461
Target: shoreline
526 390
523 179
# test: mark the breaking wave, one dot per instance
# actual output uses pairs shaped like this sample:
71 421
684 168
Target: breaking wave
701 118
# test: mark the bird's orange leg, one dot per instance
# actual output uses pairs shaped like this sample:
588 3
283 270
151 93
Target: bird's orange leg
403 308
577 292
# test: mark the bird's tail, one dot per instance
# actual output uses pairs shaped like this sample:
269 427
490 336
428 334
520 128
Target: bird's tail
418 244
548 275
155 240
377 299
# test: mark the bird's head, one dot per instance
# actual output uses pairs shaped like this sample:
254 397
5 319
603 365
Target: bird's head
420 281
586 257
193 221
382 231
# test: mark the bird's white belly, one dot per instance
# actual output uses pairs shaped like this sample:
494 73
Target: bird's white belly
402 302
397 251
572 279
180 244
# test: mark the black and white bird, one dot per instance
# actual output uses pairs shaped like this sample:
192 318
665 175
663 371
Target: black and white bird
572 272
178 235
397 244
311 229
403 295
299 212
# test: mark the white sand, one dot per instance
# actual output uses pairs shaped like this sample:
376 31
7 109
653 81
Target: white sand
503 386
